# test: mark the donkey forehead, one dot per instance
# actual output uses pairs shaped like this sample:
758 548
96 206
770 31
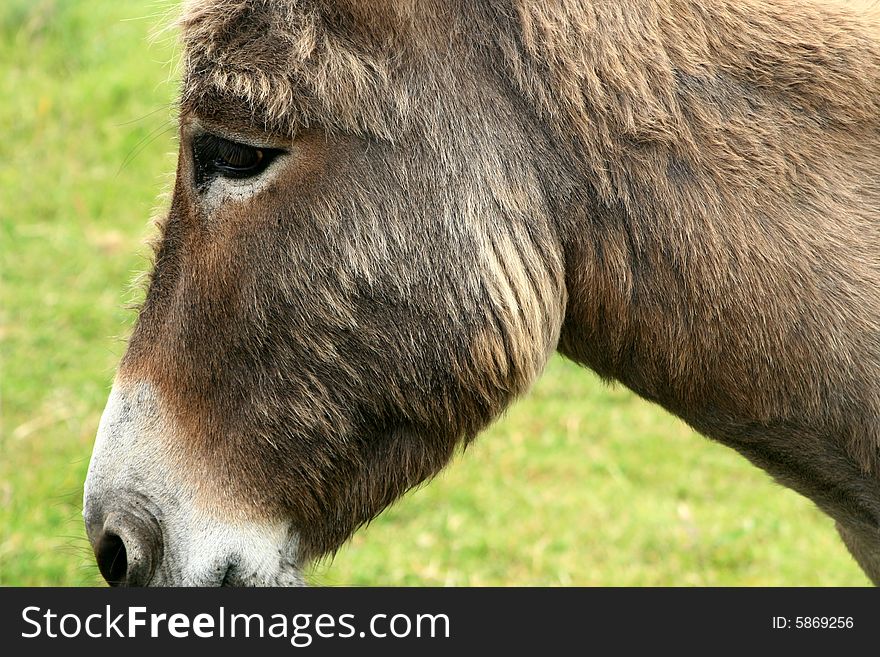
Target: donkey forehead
290 64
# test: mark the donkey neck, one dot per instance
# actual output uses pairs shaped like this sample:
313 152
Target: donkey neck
708 143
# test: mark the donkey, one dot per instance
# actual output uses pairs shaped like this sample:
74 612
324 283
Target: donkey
388 215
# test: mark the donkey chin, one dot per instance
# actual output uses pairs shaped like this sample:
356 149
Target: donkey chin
146 525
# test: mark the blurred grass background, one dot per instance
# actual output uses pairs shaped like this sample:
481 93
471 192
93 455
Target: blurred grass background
578 484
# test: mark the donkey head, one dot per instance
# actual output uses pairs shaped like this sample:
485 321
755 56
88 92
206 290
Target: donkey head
358 271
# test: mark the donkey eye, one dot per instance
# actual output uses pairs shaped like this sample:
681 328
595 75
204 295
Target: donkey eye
215 156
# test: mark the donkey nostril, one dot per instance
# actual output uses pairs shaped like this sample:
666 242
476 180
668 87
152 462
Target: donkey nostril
128 546
112 559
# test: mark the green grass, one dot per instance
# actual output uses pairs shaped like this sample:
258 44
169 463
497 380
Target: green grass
578 484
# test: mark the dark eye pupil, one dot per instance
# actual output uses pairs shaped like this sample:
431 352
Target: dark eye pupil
237 156
214 156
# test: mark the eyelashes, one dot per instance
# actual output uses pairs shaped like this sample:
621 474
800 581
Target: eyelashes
215 156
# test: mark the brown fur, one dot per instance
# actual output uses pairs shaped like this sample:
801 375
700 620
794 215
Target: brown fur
681 195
